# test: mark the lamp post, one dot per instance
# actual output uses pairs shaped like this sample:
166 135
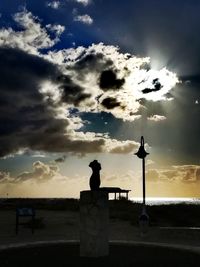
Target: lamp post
144 218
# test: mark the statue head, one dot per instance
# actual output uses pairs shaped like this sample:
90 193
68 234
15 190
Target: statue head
95 165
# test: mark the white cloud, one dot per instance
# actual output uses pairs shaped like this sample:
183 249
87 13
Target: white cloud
54 4
180 173
38 155
86 19
107 144
120 147
166 79
57 28
157 118
41 172
83 2
32 37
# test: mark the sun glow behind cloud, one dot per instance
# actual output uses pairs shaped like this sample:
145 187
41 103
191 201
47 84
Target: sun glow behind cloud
131 71
167 80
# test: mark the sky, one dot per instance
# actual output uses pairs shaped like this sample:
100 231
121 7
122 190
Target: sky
84 80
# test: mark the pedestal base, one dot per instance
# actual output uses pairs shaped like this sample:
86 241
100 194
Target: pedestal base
94 223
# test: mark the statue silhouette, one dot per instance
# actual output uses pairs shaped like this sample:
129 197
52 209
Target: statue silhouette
95 177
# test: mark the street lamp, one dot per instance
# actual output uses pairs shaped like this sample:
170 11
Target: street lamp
144 218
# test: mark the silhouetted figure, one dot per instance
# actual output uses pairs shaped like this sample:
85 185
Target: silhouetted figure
95 177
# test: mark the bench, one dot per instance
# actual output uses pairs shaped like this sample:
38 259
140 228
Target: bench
25 212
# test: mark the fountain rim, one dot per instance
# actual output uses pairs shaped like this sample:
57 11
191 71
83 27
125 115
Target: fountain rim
45 243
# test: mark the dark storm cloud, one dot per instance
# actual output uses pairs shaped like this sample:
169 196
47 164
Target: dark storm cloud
148 90
26 119
92 62
25 72
22 71
110 103
61 159
96 62
23 112
156 87
71 93
108 80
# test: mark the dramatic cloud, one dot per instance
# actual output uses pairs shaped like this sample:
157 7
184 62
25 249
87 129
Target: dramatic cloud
25 115
38 119
114 80
44 95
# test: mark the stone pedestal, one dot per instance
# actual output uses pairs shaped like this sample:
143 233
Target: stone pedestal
94 223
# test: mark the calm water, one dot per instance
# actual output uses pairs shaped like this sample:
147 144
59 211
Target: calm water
166 201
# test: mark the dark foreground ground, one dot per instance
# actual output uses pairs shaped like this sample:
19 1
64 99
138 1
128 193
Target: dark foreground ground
171 226
120 256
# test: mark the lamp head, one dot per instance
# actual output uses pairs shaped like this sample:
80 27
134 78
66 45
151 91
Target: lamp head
141 152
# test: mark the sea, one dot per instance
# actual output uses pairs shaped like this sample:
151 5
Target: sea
166 201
